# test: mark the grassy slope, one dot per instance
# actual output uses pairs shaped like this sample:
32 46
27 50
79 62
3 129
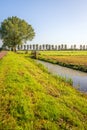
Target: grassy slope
72 59
33 99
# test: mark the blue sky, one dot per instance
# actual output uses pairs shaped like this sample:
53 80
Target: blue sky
54 21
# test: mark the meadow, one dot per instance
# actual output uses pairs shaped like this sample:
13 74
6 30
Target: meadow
72 59
33 99
64 53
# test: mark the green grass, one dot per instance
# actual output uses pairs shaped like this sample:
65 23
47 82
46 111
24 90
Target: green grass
64 53
33 99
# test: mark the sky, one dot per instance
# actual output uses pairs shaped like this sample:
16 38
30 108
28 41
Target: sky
54 21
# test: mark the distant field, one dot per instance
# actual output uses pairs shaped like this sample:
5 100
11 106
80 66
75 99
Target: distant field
64 53
73 59
33 99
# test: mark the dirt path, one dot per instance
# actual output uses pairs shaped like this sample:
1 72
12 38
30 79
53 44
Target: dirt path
2 54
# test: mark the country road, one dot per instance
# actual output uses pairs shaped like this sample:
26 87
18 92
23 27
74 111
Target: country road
2 54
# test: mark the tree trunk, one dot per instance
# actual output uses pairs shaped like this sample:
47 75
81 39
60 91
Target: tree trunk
34 54
14 48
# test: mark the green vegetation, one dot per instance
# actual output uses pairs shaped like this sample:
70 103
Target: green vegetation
33 99
14 31
72 59
64 53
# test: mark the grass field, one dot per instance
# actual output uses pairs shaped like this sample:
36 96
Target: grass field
64 53
33 99
72 59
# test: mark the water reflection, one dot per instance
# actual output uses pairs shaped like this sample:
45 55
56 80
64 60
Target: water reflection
79 78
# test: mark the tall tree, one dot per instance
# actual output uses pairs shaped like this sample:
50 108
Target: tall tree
15 31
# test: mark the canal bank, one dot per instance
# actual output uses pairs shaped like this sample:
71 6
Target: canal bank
79 78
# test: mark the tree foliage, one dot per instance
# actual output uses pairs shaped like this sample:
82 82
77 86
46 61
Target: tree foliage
15 31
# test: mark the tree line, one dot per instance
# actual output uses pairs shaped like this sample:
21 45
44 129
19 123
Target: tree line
48 47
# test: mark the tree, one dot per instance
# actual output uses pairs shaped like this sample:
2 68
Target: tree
15 31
